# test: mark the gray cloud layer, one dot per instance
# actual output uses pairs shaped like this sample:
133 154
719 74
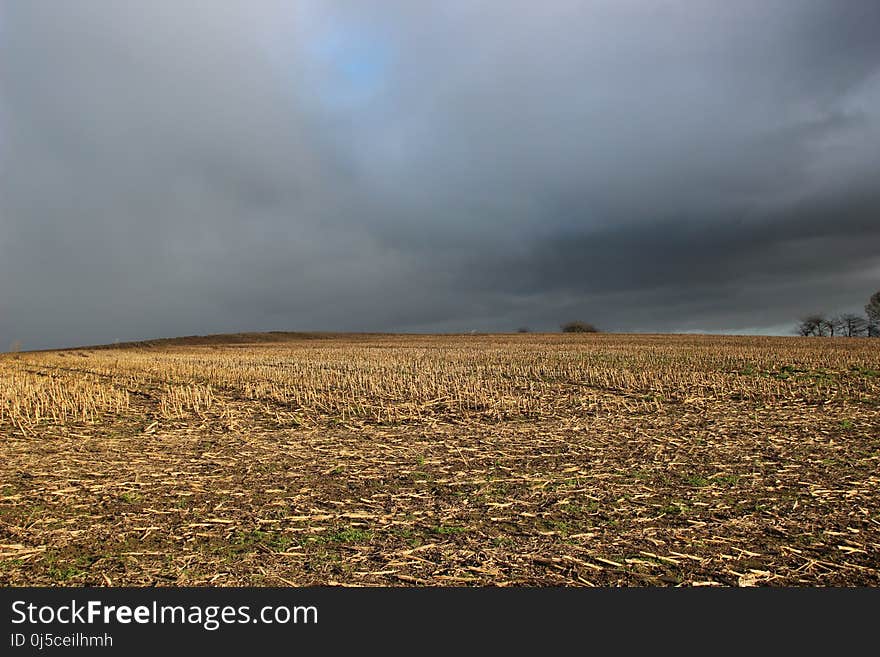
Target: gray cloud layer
173 168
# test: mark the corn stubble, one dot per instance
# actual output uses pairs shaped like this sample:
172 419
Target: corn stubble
437 460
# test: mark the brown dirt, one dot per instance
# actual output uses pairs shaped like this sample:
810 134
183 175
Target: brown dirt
611 487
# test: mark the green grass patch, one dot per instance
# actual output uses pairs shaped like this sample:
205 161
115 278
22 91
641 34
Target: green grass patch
450 529
242 542
345 535
697 481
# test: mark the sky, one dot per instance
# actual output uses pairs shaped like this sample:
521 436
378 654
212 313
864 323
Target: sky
173 168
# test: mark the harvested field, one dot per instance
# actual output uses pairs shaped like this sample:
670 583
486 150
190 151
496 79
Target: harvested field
540 460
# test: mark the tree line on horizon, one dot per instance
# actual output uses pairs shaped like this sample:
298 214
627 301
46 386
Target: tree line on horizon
848 325
568 327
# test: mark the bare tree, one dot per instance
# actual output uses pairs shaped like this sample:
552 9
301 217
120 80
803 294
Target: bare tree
872 310
851 325
830 326
813 325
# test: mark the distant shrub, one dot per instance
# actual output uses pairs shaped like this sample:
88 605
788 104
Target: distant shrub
579 327
523 329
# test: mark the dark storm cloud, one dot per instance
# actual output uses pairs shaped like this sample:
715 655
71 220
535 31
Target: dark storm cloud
171 168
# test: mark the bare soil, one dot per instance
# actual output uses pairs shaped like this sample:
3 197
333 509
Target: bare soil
695 491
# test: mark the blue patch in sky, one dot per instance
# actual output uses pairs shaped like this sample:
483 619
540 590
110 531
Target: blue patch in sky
356 60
